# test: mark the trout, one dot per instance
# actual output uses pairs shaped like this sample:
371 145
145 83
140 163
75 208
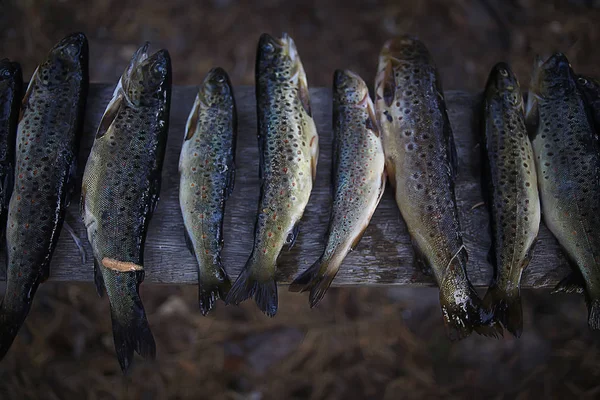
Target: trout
358 179
567 158
510 185
47 143
421 164
120 190
288 147
207 171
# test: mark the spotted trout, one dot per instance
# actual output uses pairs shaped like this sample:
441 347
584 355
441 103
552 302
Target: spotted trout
421 164
47 143
510 185
288 148
207 171
567 158
11 90
120 190
358 180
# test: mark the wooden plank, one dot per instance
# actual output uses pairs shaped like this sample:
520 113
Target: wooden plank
383 257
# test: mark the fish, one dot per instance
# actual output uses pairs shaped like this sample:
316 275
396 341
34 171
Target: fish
120 191
207 175
47 143
358 179
288 149
421 165
590 88
510 186
11 92
567 158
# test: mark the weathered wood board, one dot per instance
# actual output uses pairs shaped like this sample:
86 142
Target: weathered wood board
383 257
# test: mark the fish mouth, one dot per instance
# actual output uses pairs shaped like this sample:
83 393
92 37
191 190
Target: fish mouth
502 78
216 83
346 80
72 47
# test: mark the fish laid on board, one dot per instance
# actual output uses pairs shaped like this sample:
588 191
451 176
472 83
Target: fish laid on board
358 180
11 90
421 164
591 91
567 156
207 171
288 147
510 185
47 143
120 190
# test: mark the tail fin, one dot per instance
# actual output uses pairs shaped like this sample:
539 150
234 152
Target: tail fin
212 289
506 308
594 314
462 308
317 278
249 285
131 331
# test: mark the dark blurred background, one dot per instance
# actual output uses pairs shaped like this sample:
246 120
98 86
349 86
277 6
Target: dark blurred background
360 342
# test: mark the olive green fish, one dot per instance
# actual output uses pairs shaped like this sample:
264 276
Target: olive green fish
510 185
590 88
47 143
288 148
421 164
11 90
567 156
358 179
120 190
207 171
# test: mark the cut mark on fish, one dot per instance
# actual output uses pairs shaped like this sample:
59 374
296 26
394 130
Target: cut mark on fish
120 266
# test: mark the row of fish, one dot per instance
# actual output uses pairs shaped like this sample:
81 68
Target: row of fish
404 135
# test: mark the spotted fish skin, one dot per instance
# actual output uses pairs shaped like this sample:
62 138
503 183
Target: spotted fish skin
510 183
47 143
120 190
207 171
567 156
421 164
288 148
11 90
358 180
590 88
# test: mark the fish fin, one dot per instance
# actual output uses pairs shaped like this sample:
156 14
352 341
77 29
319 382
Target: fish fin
317 278
131 332
314 157
358 237
389 85
192 121
248 285
462 308
293 235
371 121
451 145
594 314
27 95
77 242
98 279
304 96
110 114
229 180
572 283
506 308
210 290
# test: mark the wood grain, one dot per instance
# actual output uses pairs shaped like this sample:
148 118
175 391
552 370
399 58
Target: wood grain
383 257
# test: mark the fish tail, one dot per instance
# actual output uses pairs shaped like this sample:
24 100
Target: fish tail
506 308
13 312
317 278
462 308
249 284
594 314
131 331
210 290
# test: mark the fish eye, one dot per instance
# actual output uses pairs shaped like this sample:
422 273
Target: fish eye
503 72
6 73
268 47
220 78
158 69
583 81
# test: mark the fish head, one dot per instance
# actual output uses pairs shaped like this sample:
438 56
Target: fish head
67 59
503 82
146 77
277 55
349 88
590 84
216 90
406 48
9 69
552 78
